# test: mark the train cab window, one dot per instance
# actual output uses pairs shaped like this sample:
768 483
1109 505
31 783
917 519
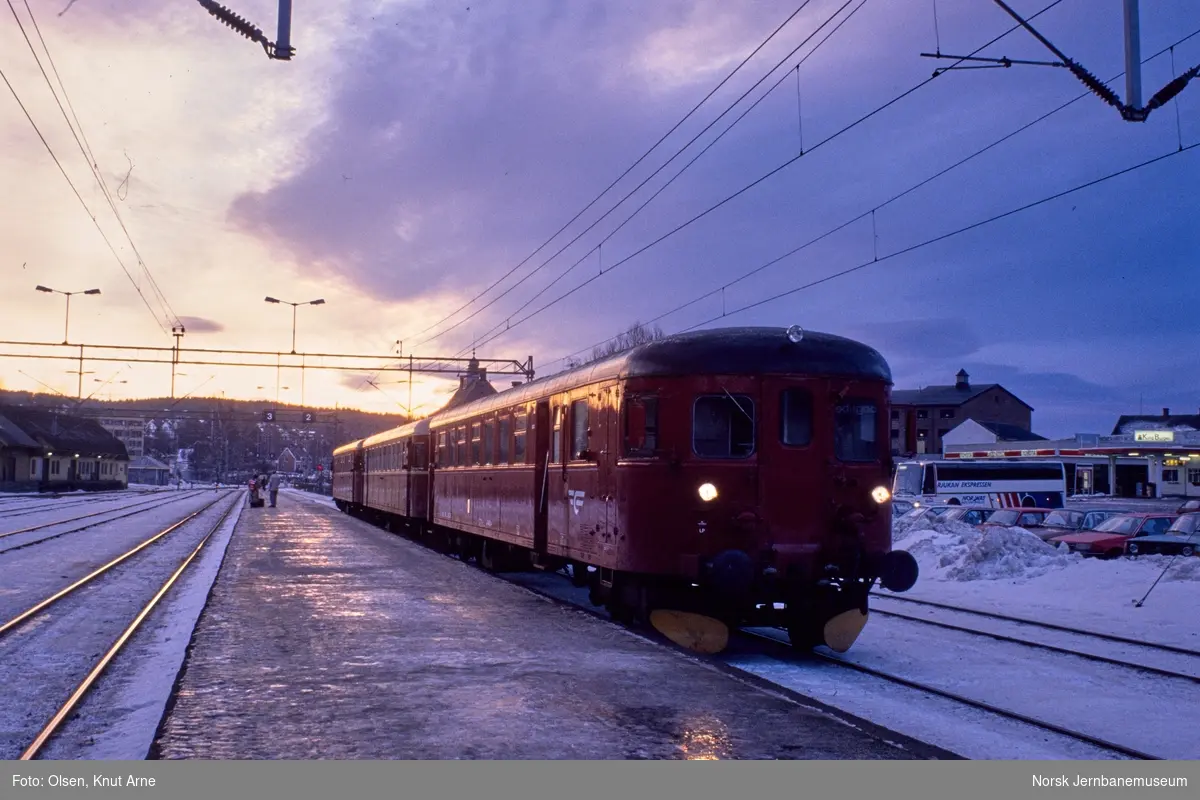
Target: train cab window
795 417
476 445
723 426
641 426
579 429
503 439
519 421
556 437
856 431
489 442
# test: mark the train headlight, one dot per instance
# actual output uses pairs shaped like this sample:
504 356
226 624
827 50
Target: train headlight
880 494
708 492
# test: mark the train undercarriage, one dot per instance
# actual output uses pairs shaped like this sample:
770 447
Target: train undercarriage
830 611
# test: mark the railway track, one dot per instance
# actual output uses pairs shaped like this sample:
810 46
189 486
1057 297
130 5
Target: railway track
26 619
130 510
9 512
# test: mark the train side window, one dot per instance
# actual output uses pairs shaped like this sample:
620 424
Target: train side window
420 456
519 422
460 458
505 434
856 431
475 445
723 426
579 429
489 441
556 437
442 456
641 426
795 417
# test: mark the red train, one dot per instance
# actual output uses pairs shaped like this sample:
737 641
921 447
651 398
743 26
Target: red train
704 481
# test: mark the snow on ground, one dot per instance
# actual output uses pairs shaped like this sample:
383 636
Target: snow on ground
1012 571
300 494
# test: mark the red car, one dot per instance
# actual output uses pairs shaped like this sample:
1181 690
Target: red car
1017 517
1108 539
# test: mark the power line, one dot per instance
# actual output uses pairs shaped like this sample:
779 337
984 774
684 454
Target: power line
894 198
637 188
775 171
696 158
643 157
86 151
944 236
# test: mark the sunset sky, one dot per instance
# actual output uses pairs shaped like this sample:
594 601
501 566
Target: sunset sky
416 151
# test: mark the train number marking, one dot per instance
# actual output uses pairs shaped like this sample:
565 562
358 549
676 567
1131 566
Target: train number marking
576 498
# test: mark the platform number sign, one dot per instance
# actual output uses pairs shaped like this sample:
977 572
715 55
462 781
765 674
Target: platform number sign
269 416
309 417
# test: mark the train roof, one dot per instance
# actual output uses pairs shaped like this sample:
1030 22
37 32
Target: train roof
347 447
401 432
723 351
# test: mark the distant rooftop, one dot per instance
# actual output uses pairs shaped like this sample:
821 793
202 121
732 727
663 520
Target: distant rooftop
952 395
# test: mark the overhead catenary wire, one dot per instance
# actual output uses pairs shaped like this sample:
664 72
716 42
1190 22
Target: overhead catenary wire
85 151
695 158
942 237
688 223
619 178
650 177
924 182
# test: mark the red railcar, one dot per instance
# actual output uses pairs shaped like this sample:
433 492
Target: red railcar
739 474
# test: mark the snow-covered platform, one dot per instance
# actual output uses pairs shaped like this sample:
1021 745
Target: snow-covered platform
326 637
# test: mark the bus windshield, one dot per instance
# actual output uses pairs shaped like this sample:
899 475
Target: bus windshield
908 480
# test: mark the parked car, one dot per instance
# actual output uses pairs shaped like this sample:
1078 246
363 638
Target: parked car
1017 517
1188 507
969 515
1181 539
1109 538
920 512
1062 521
901 507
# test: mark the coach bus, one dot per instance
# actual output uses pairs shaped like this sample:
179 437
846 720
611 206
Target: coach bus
995 484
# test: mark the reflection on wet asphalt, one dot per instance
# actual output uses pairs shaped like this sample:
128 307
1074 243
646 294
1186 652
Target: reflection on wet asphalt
328 638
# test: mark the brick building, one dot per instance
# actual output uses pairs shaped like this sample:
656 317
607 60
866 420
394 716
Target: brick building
921 417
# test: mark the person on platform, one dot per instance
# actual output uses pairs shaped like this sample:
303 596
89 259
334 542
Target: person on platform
273 485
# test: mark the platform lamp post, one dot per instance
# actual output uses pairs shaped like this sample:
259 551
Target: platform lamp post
67 324
294 307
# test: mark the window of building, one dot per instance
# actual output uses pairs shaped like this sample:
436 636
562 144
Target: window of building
946 413
556 436
896 435
795 417
55 467
1194 476
942 432
723 426
641 426
922 414
33 467
1170 476
855 431
489 441
895 416
579 429
503 440
520 419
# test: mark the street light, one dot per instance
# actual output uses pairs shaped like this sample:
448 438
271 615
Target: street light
48 290
294 306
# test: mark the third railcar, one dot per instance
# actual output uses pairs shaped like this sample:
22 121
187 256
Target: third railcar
736 475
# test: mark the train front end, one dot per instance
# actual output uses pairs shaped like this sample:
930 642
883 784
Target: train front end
787 487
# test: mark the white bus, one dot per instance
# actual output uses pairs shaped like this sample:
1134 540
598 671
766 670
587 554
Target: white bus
995 484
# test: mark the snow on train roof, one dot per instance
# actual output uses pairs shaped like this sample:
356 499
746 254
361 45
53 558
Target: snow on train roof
724 351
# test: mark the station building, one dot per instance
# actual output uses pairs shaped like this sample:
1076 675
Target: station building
1144 456
921 418
50 450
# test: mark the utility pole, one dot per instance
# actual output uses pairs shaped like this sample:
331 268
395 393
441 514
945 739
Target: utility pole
177 331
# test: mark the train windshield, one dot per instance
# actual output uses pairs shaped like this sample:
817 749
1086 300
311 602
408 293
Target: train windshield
723 426
908 480
856 431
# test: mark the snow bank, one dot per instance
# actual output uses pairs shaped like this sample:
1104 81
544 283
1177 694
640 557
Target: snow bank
954 551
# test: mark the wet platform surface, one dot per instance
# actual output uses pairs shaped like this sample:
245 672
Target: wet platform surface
326 637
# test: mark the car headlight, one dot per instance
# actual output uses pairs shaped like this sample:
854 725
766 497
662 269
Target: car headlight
708 492
880 494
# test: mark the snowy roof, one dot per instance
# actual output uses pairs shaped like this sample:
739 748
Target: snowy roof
12 436
1128 423
1011 433
947 395
147 462
65 432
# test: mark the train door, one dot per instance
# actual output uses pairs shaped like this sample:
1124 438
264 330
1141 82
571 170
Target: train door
791 469
356 473
541 475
